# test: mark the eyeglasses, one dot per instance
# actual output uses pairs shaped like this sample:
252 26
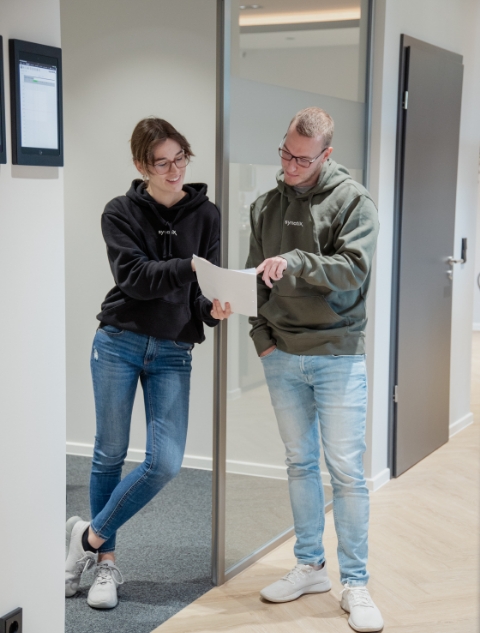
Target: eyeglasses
301 161
164 166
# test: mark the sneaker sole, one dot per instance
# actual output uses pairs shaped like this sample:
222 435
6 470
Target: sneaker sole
68 530
101 605
321 587
364 629
71 523
361 629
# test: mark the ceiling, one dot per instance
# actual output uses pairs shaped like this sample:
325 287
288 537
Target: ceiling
298 11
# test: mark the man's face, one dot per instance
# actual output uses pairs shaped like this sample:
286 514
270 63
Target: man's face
302 146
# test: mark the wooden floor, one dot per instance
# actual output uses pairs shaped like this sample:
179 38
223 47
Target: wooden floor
424 542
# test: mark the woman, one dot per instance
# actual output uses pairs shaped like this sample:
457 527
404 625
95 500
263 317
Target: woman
149 324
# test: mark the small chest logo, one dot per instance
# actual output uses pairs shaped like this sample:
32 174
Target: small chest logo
167 232
290 223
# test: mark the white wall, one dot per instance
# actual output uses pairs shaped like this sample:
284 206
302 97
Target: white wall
454 26
32 362
124 61
326 70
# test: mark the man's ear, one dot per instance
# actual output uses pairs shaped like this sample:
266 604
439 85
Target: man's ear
328 152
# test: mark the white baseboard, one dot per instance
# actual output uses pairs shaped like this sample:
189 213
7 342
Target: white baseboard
256 470
86 450
373 483
459 425
476 327
234 394
193 461
237 467
233 466
380 479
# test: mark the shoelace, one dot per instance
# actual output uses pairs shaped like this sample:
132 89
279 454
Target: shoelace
359 596
297 573
84 564
106 573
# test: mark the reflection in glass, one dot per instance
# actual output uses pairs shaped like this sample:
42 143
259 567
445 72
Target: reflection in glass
283 60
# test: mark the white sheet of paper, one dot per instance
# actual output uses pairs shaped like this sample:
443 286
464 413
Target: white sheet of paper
238 287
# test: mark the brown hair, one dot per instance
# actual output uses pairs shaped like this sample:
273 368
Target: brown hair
312 122
148 133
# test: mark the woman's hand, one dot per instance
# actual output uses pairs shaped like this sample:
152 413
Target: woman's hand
218 312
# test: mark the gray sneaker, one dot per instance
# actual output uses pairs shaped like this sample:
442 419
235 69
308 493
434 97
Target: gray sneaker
302 579
103 592
364 614
78 560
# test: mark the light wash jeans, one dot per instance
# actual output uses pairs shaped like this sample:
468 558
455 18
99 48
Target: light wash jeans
119 359
324 397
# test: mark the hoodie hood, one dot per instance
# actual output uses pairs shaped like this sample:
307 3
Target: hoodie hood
162 218
331 176
196 195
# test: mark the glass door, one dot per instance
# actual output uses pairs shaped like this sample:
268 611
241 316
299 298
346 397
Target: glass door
275 60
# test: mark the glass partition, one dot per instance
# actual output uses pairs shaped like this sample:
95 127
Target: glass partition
282 60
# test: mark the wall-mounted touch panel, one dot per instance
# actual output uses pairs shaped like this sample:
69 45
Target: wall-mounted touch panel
36 104
3 144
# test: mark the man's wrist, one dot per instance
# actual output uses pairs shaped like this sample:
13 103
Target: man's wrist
262 341
268 351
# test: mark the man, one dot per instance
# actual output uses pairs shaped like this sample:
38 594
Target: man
313 239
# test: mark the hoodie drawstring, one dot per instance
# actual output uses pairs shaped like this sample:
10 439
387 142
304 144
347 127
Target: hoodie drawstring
167 244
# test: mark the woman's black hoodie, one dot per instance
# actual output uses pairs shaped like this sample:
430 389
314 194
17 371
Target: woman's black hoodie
150 248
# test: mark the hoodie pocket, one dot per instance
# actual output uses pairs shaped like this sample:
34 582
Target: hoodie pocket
300 313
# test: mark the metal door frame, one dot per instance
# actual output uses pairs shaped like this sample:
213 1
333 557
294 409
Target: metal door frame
397 223
222 166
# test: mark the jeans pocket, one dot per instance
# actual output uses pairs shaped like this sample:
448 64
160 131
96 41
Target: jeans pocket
110 329
187 347
269 354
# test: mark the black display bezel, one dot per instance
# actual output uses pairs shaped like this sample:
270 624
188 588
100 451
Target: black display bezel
29 51
3 140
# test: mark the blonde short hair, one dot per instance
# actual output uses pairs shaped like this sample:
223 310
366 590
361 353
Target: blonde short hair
312 122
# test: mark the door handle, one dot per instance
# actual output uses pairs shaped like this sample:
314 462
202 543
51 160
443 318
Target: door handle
463 257
451 260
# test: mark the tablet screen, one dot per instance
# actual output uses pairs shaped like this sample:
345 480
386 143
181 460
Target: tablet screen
38 104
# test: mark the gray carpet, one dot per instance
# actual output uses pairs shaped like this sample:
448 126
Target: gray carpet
163 553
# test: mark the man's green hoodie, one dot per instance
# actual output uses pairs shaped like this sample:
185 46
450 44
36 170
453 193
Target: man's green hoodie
328 237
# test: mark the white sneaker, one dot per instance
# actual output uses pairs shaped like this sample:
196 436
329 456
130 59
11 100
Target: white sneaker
302 579
78 560
364 615
103 592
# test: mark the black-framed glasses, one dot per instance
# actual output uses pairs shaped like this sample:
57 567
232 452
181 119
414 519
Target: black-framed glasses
164 166
302 161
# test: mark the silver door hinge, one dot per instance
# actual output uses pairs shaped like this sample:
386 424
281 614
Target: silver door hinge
405 100
395 393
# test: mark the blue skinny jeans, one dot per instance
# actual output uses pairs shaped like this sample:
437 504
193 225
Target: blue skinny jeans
119 359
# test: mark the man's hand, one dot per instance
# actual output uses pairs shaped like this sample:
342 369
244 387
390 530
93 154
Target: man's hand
272 269
268 351
218 312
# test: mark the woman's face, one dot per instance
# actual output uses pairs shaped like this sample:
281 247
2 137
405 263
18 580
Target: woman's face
164 156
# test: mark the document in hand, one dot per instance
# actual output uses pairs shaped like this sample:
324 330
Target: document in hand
238 287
